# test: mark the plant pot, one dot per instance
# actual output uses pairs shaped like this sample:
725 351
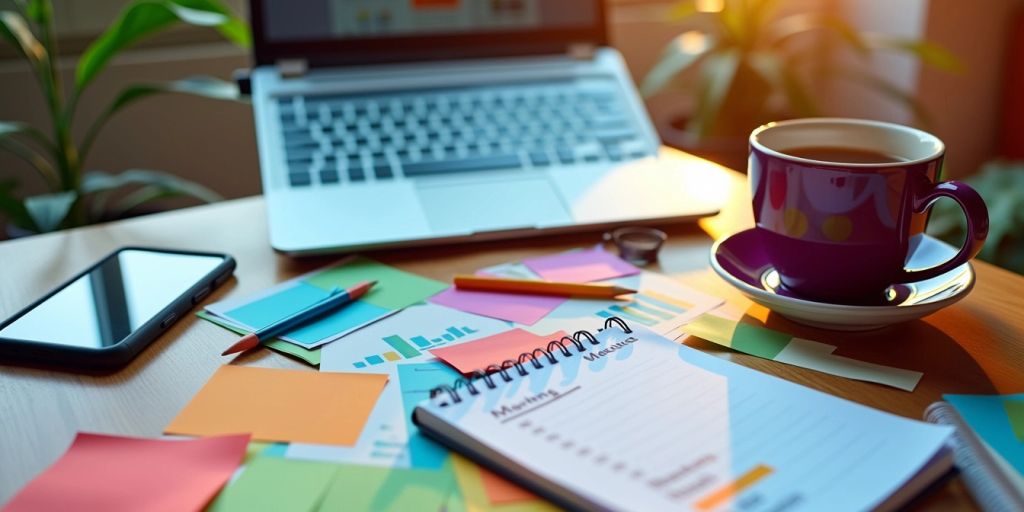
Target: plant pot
727 150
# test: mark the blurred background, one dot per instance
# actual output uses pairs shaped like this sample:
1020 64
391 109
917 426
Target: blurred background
711 70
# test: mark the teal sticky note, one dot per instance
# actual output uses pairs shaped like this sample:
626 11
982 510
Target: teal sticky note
416 381
268 310
987 416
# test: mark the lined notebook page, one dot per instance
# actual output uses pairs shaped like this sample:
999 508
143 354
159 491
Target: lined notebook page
642 423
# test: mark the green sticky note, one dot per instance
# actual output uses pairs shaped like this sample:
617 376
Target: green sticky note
1015 411
310 356
759 341
373 488
749 339
395 288
272 483
712 328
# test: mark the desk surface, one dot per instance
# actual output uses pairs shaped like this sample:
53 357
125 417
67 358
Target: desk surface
976 346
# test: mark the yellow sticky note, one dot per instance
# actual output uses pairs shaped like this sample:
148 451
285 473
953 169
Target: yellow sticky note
282 405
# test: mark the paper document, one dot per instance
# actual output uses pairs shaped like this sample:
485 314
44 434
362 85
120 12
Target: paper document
282 405
642 423
778 346
101 473
406 336
269 483
395 290
663 304
989 417
594 264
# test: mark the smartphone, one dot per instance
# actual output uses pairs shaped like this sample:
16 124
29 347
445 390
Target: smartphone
102 318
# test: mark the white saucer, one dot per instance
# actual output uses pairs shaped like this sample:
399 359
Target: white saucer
741 261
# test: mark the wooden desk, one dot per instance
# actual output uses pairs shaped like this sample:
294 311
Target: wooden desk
976 346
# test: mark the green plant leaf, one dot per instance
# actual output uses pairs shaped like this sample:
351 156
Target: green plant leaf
48 211
144 18
786 29
9 130
779 73
13 207
39 11
675 59
13 128
204 86
929 53
153 185
15 29
233 28
716 79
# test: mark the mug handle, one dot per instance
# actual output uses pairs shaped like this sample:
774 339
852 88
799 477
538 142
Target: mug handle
977 226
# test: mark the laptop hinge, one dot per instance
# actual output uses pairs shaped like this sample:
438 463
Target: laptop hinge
292 68
582 51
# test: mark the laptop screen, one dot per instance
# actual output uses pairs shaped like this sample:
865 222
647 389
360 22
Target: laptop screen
390 30
288 20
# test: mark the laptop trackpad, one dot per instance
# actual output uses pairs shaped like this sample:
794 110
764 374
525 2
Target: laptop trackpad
493 205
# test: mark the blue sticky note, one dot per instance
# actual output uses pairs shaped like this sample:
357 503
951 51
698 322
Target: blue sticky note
416 381
270 309
987 416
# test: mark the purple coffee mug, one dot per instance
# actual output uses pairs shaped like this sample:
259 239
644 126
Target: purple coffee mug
842 232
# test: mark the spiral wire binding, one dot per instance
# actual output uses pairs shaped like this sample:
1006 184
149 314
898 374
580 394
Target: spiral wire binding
533 357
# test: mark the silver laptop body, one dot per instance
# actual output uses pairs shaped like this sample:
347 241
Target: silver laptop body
437 126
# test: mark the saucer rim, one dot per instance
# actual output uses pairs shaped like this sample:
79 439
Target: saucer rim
832 307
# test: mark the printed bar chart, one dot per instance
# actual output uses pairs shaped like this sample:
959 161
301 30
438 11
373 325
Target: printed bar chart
409 349
648 308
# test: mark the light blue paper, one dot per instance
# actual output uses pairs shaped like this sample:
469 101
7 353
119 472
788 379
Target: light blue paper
416 381
986 415
268 310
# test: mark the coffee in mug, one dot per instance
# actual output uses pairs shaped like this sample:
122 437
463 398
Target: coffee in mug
840 203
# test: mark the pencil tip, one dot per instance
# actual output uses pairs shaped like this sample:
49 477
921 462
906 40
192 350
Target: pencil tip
247 342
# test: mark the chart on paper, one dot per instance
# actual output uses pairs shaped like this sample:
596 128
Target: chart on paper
412 348
662 304
408 335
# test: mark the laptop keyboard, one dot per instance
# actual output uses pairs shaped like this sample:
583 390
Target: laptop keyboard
331 139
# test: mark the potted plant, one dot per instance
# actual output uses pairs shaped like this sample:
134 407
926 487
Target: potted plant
742 64
76 197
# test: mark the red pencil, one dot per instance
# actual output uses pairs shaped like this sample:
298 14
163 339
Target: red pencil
336 299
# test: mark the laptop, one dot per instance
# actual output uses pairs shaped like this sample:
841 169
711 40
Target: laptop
387 123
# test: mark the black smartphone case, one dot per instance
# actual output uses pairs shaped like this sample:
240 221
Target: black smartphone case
115 356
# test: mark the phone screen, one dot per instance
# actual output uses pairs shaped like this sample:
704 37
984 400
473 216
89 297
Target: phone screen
104 306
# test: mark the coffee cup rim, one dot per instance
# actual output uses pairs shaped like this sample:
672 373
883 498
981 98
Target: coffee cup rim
940 147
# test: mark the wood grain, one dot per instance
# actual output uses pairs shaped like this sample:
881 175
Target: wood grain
973 347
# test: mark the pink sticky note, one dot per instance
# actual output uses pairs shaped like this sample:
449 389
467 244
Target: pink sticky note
581 266
109 473
481 353
523 309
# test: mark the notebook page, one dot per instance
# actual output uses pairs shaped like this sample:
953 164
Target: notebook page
642 423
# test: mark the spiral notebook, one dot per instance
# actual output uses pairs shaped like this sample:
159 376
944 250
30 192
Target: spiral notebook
624 419
992 481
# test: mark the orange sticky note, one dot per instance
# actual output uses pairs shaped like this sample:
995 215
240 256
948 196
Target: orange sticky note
104 473
478 354
282 405
500 491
